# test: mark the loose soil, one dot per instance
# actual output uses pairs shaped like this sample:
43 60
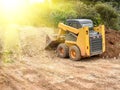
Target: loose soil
112 44
39 69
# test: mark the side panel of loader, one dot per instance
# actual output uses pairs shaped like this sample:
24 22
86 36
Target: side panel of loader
101 30
82 41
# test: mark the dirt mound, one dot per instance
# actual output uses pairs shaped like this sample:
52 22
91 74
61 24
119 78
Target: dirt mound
112 44
33 40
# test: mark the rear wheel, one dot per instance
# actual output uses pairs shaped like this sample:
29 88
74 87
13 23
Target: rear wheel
74 53
63 50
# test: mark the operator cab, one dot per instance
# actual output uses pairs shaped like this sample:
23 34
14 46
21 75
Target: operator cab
79 23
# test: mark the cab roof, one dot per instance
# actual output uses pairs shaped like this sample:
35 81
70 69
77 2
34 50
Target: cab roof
80 20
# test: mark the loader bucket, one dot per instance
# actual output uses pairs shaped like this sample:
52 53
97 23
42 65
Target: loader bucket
51 42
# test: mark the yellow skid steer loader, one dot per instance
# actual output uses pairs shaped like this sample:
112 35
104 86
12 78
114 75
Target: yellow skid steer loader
78 38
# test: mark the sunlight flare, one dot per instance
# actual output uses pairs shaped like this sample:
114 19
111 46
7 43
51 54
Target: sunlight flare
37 1
11 5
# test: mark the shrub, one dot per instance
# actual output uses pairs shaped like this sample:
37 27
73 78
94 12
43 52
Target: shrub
87 11
61 13
108 15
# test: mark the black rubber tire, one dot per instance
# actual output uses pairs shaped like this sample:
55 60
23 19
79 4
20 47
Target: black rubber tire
65 49
77 52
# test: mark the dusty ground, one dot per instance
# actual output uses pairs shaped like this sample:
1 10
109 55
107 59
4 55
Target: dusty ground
43 70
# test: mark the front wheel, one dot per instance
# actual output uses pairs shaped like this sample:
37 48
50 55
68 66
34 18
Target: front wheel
74 53
63 50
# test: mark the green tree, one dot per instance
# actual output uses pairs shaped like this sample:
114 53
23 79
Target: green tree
87 11
62 12
108 15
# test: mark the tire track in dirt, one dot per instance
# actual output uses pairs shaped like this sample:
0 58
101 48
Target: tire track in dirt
46 75
97 76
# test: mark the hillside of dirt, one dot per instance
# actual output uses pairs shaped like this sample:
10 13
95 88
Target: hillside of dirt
112 44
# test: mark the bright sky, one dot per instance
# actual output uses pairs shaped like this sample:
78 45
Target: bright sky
37 1
10 8
12 5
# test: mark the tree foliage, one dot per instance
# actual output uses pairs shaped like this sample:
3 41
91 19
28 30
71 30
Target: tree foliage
61 13
89 12
108 15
